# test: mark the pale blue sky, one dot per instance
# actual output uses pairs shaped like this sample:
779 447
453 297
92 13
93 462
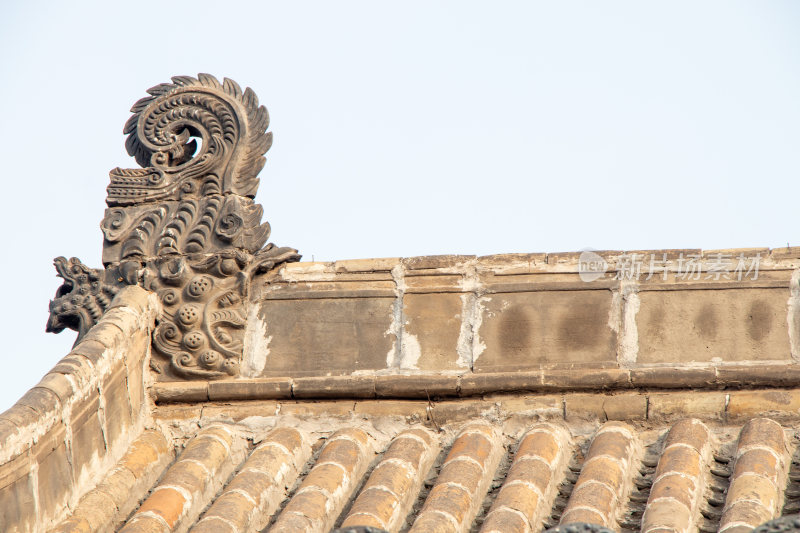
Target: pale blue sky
413 128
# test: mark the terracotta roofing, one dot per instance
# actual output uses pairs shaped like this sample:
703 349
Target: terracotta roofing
288 474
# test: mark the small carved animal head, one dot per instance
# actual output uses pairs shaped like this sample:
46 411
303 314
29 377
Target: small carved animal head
80 300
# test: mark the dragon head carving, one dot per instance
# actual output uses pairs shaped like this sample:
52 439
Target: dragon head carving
81 299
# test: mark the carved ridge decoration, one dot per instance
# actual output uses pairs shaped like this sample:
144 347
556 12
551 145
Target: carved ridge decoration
162 137
184 226
82 298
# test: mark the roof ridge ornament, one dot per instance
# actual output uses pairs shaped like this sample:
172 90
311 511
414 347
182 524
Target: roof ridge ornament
162 137
185 224
82 298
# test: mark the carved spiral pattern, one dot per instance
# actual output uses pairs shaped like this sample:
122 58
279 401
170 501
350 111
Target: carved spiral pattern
162 131
210 364
169 296
229 226
229 123
169 332
114 224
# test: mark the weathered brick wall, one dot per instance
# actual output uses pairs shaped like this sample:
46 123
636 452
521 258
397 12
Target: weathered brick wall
524 312
79 420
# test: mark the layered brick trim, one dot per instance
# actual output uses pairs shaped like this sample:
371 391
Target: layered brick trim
679 484
730 407
758 478
530 487
424 386
328 486
386 498
106 507
605 480
463 480
190 483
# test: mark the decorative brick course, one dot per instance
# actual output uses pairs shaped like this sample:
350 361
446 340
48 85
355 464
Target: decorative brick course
598 495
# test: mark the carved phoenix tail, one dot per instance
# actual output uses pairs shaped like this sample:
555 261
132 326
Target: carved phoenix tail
185 224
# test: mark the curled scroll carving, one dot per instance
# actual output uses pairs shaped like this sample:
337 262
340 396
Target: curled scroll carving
190 197
200 328
163 134
185 224
190 226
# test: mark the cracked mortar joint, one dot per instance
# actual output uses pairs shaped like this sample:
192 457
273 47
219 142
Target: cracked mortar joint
629 339
401 344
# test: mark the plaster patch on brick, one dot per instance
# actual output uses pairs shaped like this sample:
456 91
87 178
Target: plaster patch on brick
410 352
27 435
465 334
478 346
103 365
66 417
101 414
256 345
615 312
793 316
33 483
396 328
470 281
470 346
629 341
92 471
296 272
